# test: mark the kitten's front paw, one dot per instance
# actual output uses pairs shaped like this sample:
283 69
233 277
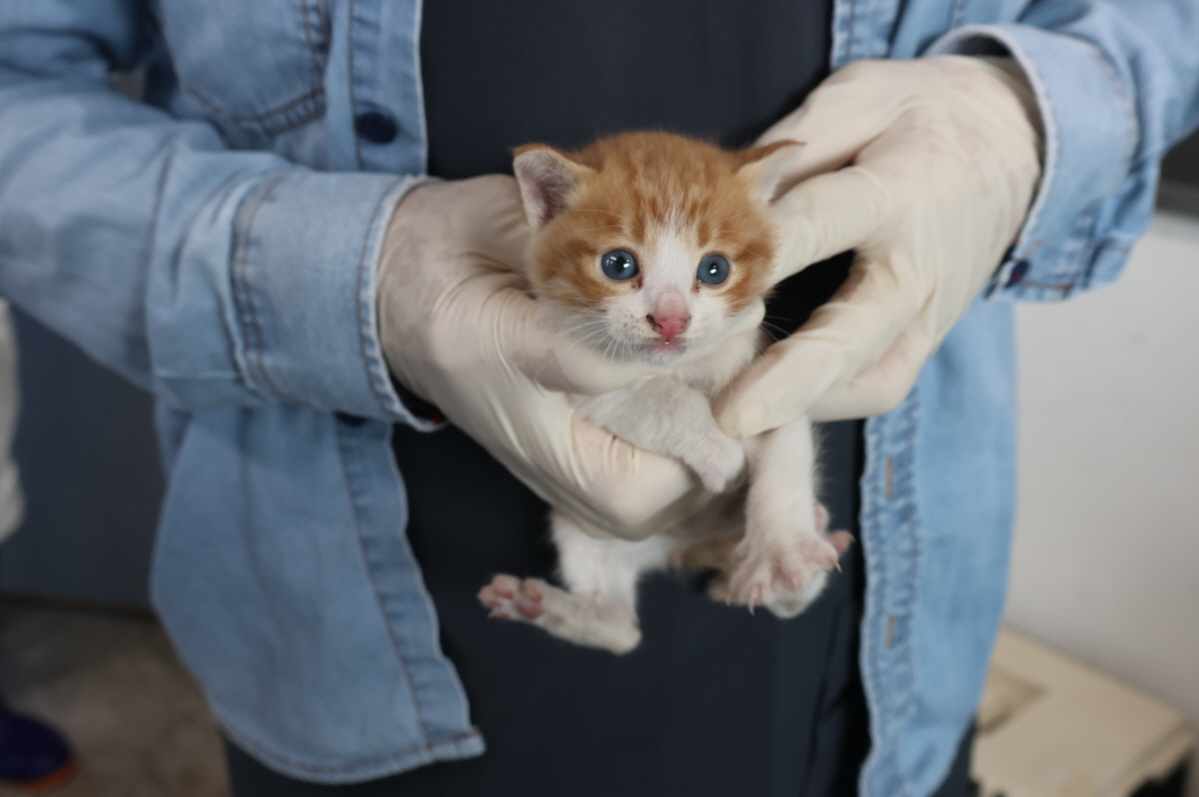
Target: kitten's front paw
718 462
784 577
788 603
784 604
765 571
511 598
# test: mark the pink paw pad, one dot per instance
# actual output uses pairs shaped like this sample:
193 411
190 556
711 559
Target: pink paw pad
511 598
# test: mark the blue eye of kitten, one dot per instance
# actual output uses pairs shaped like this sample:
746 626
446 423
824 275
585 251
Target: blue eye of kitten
619 264
713 270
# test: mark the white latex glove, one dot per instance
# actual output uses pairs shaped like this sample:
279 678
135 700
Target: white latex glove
459 330
936 162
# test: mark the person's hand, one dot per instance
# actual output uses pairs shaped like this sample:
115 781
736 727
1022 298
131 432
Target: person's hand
936 162
459 329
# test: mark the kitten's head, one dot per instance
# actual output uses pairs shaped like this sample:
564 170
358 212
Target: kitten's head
653 246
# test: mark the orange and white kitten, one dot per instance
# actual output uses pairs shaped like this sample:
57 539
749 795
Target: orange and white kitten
656 247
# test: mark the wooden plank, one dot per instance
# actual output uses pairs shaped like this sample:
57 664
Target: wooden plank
1051 727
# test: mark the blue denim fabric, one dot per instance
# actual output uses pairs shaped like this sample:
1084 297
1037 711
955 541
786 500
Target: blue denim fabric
217 245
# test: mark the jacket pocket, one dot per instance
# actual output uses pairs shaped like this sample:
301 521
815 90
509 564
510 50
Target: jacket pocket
255 65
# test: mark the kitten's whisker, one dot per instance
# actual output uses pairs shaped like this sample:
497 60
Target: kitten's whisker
775 330
598 322
599 330
586 322
608 348
584 339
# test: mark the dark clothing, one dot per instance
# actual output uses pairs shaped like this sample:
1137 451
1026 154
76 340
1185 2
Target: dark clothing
498 75
251 778
715 701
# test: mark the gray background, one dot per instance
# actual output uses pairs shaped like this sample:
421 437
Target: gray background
90 469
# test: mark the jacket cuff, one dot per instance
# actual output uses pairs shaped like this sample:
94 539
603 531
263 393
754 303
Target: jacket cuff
1067 242
305 253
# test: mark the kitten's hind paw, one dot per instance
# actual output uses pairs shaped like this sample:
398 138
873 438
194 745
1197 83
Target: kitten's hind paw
611 625
510 598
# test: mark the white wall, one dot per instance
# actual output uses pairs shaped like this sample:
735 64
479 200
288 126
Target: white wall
1106 559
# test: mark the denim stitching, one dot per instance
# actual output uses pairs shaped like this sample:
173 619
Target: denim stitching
407 754
916 531
1081 273
239 272
958 14
418 10
353 83
897 428
849 41
363 339
314 53
291 121
370 574
1127 108
260 121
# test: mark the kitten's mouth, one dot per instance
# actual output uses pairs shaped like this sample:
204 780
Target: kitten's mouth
670 345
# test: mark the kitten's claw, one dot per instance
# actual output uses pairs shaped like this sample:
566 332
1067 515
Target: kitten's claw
785 575
788 603
841 540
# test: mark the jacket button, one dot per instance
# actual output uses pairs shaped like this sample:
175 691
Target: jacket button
350 420
376 127
1018 272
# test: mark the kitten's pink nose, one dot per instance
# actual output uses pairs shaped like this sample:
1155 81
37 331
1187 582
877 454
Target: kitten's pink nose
668 324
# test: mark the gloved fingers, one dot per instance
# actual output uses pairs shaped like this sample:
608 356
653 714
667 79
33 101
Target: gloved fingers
882 387
838 118
631 491
842 339
463 225
826 215
577 466
532 340
499 235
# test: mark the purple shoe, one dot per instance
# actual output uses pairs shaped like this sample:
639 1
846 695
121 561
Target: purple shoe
33 757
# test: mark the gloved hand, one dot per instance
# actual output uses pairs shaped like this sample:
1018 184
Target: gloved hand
459 330
936 162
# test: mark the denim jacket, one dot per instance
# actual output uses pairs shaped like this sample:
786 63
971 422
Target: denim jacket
217 244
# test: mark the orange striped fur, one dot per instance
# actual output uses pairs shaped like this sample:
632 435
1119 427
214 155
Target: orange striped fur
632 186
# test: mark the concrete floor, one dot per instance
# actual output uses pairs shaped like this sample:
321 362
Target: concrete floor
112 683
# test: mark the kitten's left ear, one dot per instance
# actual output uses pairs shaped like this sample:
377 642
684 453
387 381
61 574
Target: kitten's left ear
770 168
547 178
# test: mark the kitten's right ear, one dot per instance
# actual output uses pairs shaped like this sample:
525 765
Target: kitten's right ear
547 177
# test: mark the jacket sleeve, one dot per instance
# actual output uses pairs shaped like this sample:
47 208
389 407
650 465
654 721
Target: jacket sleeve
1117 82
206 275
